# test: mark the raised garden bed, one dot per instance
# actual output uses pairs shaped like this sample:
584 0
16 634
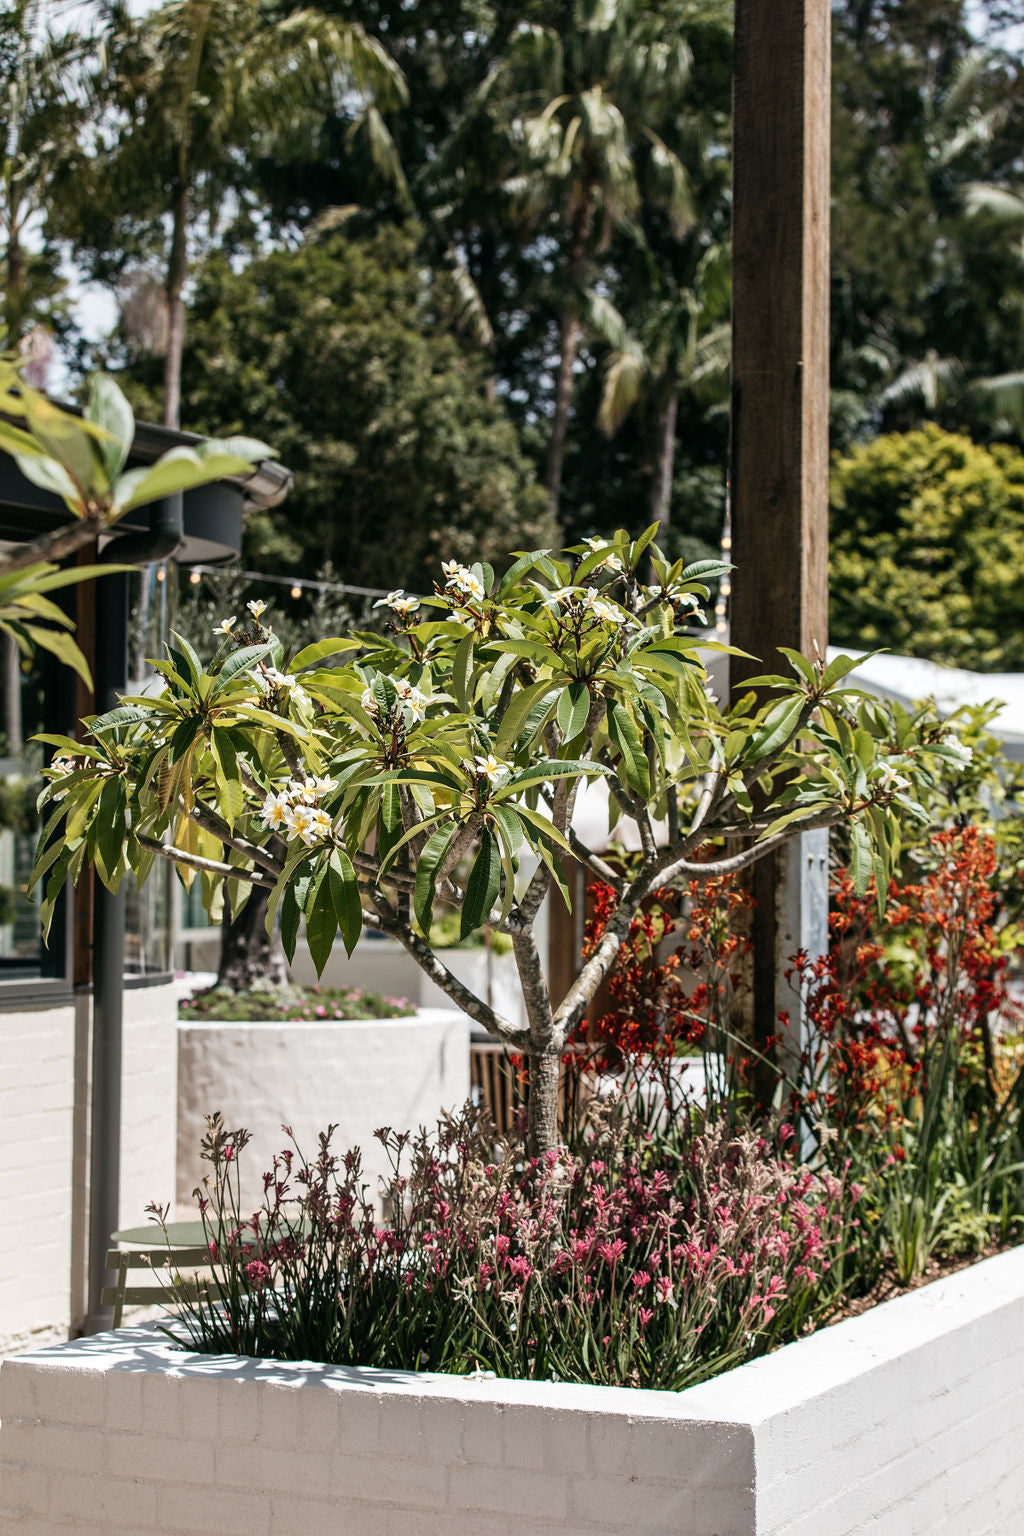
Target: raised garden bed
899 1422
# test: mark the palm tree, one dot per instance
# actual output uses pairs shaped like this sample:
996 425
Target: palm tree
44 105
196 89
570 132
679 342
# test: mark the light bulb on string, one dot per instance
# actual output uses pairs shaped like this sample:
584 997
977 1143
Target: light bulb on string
296 591
195 578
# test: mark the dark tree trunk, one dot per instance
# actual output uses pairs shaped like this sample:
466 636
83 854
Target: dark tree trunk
14 306
568 349
176 269
251 960
569 341
661 485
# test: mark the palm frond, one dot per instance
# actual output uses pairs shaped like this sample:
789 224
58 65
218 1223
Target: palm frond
1001 396
929 383
625 374
982 198
469 313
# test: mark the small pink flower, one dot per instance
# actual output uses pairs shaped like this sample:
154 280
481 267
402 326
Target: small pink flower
258 1273
612 1252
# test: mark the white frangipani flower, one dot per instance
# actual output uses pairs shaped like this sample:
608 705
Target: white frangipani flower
889 777
461 578
561 597
257 607
225 626
611 560
59 768
285 683
398 602
323 786
415 701
492 768
368 700
299 821
600 608
320 826
958 746
275 810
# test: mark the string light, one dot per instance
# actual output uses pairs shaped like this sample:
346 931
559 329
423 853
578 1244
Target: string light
296 584
195 578
161 574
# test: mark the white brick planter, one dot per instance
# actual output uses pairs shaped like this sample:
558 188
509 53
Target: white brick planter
902 1422
357 1074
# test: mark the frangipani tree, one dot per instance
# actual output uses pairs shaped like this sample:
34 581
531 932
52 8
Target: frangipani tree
82 460
366 777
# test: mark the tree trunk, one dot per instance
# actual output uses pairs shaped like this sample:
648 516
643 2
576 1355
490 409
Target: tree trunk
568 350
14 305
176 268
542 1105
661 485
251 960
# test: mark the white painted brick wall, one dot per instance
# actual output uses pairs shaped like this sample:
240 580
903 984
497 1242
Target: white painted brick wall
36 1122
44 1149
900 1423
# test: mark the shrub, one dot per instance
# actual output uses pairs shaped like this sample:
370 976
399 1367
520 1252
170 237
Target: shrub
926 545
309 1004
904 1075
593 1265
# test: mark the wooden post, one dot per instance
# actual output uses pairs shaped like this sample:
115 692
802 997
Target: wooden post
779 451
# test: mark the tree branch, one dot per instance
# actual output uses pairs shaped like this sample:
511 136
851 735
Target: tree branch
204 817
503 1029
595 864
461 841
196 861
709 794
56 545
713 869
535 992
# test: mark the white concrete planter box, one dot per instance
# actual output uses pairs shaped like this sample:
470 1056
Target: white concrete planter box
902 1422
382 965
358 1074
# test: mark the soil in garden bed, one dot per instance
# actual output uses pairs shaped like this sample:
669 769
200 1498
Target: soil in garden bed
888 1286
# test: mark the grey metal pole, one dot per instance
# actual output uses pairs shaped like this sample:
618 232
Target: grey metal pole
108 986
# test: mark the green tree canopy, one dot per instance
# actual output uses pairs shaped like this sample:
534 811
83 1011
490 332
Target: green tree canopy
927 552
341 353
925 292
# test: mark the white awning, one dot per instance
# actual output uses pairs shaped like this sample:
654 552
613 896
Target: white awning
909 681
